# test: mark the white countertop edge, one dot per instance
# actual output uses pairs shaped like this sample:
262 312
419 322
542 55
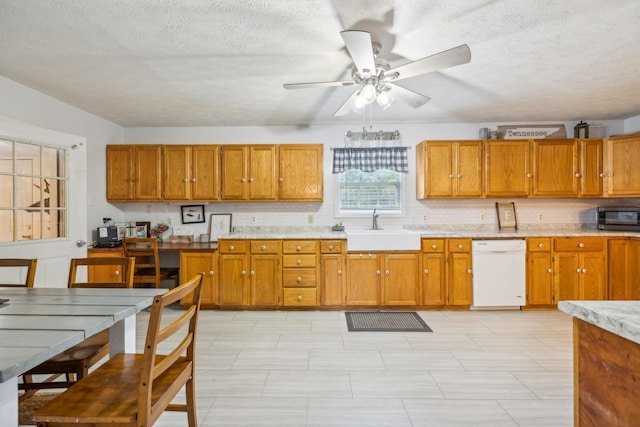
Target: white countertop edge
618 317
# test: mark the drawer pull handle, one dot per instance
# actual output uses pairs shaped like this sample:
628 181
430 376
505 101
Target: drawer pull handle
298 261
243 180
250 179
298 248
244 273
252 272
298 279
386 272
280 179
231 247
469 271
193 180
549 270
299 298
541 245
578 175
460 246
263 248
116 272
578 270
581 245
426 271
434 246
584 270
378 272
339 272
210 272
330 247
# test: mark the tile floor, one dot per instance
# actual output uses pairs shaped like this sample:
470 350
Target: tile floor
303 368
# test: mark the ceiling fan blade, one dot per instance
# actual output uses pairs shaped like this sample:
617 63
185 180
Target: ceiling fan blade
445 59
317 84
347 106
359 46
409 97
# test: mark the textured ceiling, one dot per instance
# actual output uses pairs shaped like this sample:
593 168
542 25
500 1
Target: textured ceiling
223 62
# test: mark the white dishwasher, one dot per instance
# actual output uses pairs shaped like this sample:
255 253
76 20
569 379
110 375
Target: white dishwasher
498 274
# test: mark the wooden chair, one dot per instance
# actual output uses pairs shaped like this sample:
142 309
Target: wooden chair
29 264
148 270
133 390
75 362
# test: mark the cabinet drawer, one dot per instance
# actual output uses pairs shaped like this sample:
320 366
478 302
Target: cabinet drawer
432 245
265 246
573 244
232 246
298 261
459 245
539 244
299 296
299 246
330 246
299 278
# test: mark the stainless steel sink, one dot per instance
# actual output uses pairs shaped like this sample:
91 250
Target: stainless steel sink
383 240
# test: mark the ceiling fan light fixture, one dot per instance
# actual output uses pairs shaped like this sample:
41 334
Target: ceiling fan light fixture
383 100
368 93
359 102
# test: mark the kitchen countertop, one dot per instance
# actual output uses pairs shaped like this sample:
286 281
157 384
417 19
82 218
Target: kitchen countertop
475 233
618 317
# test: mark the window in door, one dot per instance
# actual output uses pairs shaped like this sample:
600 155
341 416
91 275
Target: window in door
33 200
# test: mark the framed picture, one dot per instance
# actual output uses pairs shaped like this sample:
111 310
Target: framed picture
506 215
192 214
219 225
141 231
147 228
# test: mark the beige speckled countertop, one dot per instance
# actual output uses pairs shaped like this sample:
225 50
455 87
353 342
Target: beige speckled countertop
618 317
440 232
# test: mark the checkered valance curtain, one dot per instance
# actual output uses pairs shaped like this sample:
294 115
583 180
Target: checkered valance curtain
370 159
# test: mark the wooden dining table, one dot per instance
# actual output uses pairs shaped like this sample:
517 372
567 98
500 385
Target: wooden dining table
39 323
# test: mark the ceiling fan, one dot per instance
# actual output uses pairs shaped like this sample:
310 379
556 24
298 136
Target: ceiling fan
377 79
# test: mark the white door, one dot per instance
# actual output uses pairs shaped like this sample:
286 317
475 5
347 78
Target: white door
54 254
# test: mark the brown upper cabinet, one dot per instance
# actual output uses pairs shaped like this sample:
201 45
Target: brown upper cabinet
533 168
190 172
134 173
209 173
449 169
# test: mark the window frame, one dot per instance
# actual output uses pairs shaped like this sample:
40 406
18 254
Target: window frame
366 213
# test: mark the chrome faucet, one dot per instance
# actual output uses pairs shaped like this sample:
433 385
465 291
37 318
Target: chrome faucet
374 224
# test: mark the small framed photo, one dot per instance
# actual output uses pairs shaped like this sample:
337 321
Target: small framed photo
147 228
141 231
192 214
506 215
219 225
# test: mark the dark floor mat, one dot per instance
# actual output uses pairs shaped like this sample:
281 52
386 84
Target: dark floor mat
385 321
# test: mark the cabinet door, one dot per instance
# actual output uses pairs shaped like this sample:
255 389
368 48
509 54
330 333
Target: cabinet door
433 279
540 279
593 277
176 172
438 173
621 160
301 172
233 172
264 280
591 168
192 263
468 178
262 172
507 168
400 280
104 273
555 168
332 279
459 279
204 172
566 274
120 172
147 170
232 279
363 279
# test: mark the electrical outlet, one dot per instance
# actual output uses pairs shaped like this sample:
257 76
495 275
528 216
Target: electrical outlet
310 219
540 217
424 218
253 219
148 208
482 217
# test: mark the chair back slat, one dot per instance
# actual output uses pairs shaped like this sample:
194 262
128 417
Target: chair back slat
147 268
181 332
21 263
123 269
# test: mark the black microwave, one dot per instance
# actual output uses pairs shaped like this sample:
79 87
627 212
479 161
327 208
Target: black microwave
622 218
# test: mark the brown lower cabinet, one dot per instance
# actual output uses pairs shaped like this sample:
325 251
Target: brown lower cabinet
192 263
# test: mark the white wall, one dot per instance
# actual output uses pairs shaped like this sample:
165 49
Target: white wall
437 212
22 103
632 125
